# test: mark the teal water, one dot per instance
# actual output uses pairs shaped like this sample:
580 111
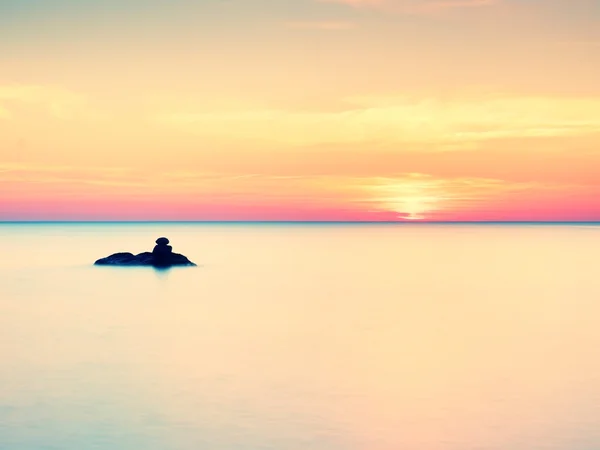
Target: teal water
337 337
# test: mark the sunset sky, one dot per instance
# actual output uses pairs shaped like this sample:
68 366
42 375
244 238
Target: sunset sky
300 110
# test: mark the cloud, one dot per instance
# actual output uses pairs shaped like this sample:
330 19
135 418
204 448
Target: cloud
393 119
79 179
417 196
57 102
4 113
32 174
424 197
414 6
580 43
410 196
321 25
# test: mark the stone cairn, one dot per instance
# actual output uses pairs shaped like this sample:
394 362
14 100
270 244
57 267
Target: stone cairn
162 251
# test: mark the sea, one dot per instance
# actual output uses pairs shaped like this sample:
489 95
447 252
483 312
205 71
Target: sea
301 337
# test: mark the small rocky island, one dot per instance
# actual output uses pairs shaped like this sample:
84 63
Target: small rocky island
162 256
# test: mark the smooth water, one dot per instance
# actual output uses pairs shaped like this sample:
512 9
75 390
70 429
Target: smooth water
301 337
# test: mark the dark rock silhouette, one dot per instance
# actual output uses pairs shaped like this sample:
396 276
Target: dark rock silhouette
161 256
162 252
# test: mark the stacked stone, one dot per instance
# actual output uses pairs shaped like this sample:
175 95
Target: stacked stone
162 250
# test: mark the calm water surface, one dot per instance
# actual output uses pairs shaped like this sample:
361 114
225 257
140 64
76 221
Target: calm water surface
301 338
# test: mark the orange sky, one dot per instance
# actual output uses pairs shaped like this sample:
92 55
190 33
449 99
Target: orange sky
300 110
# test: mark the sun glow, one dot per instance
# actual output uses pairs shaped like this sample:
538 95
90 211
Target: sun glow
412 208
412 196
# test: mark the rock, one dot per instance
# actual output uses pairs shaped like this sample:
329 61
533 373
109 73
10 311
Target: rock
162 249
162 241
161 256
162 252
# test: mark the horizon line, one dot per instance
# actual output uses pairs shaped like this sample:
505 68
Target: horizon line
303 222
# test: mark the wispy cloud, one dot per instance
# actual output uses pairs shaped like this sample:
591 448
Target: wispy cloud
396 119
4 113
59 103
580 43
414 6
321 25
148 182
421 196
403 196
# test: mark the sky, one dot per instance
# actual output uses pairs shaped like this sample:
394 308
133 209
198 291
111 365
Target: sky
366 110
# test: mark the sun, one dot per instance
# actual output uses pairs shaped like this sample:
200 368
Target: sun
412 208
412 217
415 197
